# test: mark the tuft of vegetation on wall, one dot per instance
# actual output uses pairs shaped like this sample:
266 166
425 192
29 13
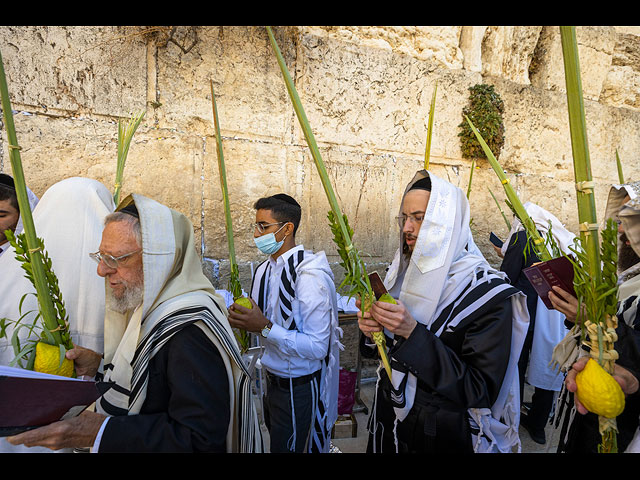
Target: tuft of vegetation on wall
485 110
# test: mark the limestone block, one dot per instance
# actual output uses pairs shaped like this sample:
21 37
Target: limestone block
78 69
595 50
623 80
437 43
254 170
250 92
507 51
379 101
471 47
54 148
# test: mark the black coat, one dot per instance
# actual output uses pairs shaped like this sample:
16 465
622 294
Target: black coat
456 371
187 407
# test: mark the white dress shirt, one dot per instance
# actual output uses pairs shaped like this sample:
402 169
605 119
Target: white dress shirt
298 352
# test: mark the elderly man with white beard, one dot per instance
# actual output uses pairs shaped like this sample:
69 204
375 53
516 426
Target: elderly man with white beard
179 382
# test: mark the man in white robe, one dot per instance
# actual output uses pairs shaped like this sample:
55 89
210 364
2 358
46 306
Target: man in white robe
546 327
69 218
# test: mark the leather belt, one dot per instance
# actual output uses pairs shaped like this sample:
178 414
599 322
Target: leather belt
283 382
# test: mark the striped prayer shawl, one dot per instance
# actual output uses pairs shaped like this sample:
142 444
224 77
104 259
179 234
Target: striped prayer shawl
472 303
126 401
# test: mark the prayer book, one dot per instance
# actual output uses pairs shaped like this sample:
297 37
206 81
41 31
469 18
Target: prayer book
377 285
554 272
31 399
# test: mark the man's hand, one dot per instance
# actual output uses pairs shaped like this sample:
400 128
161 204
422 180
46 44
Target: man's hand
249 319
394 317
366 323
628 382
80 431
564 302
85 361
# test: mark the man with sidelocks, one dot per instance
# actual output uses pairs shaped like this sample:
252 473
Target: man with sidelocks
179 382
579 433
454 335
295 313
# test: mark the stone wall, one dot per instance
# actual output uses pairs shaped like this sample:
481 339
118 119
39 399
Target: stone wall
366 92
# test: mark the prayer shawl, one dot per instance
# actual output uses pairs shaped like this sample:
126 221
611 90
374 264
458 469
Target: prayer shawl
176 294
69 218
326 399
628 213
549 329
445 267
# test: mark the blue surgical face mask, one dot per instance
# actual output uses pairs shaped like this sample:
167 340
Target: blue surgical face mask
267 243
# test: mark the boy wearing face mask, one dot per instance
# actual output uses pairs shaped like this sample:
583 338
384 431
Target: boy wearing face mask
296 318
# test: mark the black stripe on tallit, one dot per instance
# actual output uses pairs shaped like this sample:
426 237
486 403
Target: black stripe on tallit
163 330
110 409
261 291
472 295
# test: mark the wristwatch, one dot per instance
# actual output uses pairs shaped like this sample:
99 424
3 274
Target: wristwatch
266 329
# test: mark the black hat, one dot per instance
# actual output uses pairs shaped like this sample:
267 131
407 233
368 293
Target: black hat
7 181
422 184
286 198
131 210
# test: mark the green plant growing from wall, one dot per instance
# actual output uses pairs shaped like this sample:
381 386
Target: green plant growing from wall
485 110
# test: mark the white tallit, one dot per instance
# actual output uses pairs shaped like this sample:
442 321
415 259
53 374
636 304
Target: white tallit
542 219
173 280
69 218
444 262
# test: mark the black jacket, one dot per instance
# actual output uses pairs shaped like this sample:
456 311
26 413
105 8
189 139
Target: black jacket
187 405
456 371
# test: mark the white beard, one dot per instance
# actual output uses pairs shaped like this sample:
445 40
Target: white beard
130 300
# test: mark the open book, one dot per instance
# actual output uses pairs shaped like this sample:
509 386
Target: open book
31 399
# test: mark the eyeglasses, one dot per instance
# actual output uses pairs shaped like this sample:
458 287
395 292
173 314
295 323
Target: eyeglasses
109 260
415 219
261 227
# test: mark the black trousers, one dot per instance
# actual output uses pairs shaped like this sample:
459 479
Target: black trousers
280 407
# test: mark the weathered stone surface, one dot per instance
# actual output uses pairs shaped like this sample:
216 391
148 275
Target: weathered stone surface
595 49
366 91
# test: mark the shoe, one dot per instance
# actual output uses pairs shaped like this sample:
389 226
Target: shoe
537 436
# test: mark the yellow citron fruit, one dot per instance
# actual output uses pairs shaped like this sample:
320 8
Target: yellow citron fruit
387 299
48 361
244 301
598 391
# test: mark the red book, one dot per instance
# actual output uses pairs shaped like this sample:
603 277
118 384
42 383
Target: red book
30 399
554 272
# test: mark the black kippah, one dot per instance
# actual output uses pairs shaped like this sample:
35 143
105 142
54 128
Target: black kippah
422 184
131 210
287 199
7 181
